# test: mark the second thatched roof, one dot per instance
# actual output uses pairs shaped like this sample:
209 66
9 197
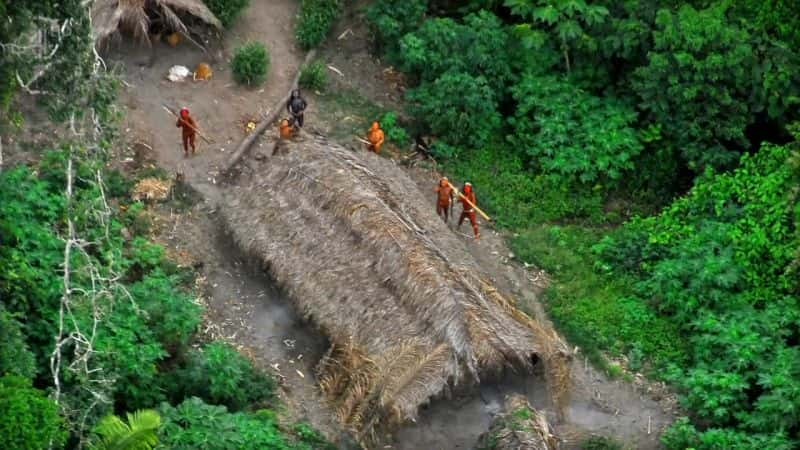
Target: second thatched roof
111 16
361 253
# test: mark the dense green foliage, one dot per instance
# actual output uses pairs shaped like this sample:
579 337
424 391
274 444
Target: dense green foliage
194 424
15 357
250 64
63 71
148 322
218 374
571 116
316 20
720 263
314 76
227 11
30 419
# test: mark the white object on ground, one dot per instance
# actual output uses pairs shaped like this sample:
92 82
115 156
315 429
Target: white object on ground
178 73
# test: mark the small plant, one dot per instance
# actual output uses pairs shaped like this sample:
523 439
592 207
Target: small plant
316 19
227 11
250 63
313 76
394 132
600 443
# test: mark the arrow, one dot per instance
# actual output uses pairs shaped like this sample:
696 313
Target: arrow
195 129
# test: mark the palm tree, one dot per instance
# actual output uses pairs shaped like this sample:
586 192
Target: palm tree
139 433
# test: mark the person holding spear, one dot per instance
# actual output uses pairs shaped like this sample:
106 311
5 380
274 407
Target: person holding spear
188 130
469 203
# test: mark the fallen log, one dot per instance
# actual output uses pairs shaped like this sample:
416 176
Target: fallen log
248 140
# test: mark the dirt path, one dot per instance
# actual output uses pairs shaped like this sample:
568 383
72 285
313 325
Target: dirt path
245 310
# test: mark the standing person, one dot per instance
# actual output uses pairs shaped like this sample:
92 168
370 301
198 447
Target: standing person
285 130
468 211
375 137
444 202
188 132
296 107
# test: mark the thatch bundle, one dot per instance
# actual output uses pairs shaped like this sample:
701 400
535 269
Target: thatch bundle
520 427
361 252
151 189
112 16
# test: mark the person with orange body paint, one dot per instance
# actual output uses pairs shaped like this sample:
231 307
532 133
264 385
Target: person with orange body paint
188 131
444 202
468 211
375 137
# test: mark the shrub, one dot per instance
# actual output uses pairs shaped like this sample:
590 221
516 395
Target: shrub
194 424
314 76
572 134
30 419
316 19
457 107
227 11
250 63
394 132
218 374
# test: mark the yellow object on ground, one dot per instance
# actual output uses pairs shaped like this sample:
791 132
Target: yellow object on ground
174 39
203 72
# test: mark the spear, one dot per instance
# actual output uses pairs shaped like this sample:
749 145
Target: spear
187 124
485 216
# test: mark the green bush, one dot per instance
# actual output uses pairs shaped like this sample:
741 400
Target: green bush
316 20
227 11
314 76
194 424
30 419
394 132
250 63
457 107
572 134
218 374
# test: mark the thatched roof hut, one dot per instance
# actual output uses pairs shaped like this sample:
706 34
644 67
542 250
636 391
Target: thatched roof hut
519 427
361 253
111 16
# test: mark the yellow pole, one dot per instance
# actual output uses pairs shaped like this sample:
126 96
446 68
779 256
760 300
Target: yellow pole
485 216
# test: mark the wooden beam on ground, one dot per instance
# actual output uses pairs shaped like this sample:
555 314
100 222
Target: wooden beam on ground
248 140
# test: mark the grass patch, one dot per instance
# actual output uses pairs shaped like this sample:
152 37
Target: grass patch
350 112
596 311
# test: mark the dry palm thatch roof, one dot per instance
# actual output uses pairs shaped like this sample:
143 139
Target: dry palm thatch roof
361 252
111 16
520 427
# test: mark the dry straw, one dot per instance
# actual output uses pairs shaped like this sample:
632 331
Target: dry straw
362 254
111 16
520 427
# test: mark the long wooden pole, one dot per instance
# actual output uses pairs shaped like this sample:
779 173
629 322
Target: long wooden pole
248 140
188 125
485 216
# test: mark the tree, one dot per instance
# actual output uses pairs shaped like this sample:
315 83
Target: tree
697 84
572 134
567 20
139 433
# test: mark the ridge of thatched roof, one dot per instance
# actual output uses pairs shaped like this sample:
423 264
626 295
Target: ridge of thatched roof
109 16
360 252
